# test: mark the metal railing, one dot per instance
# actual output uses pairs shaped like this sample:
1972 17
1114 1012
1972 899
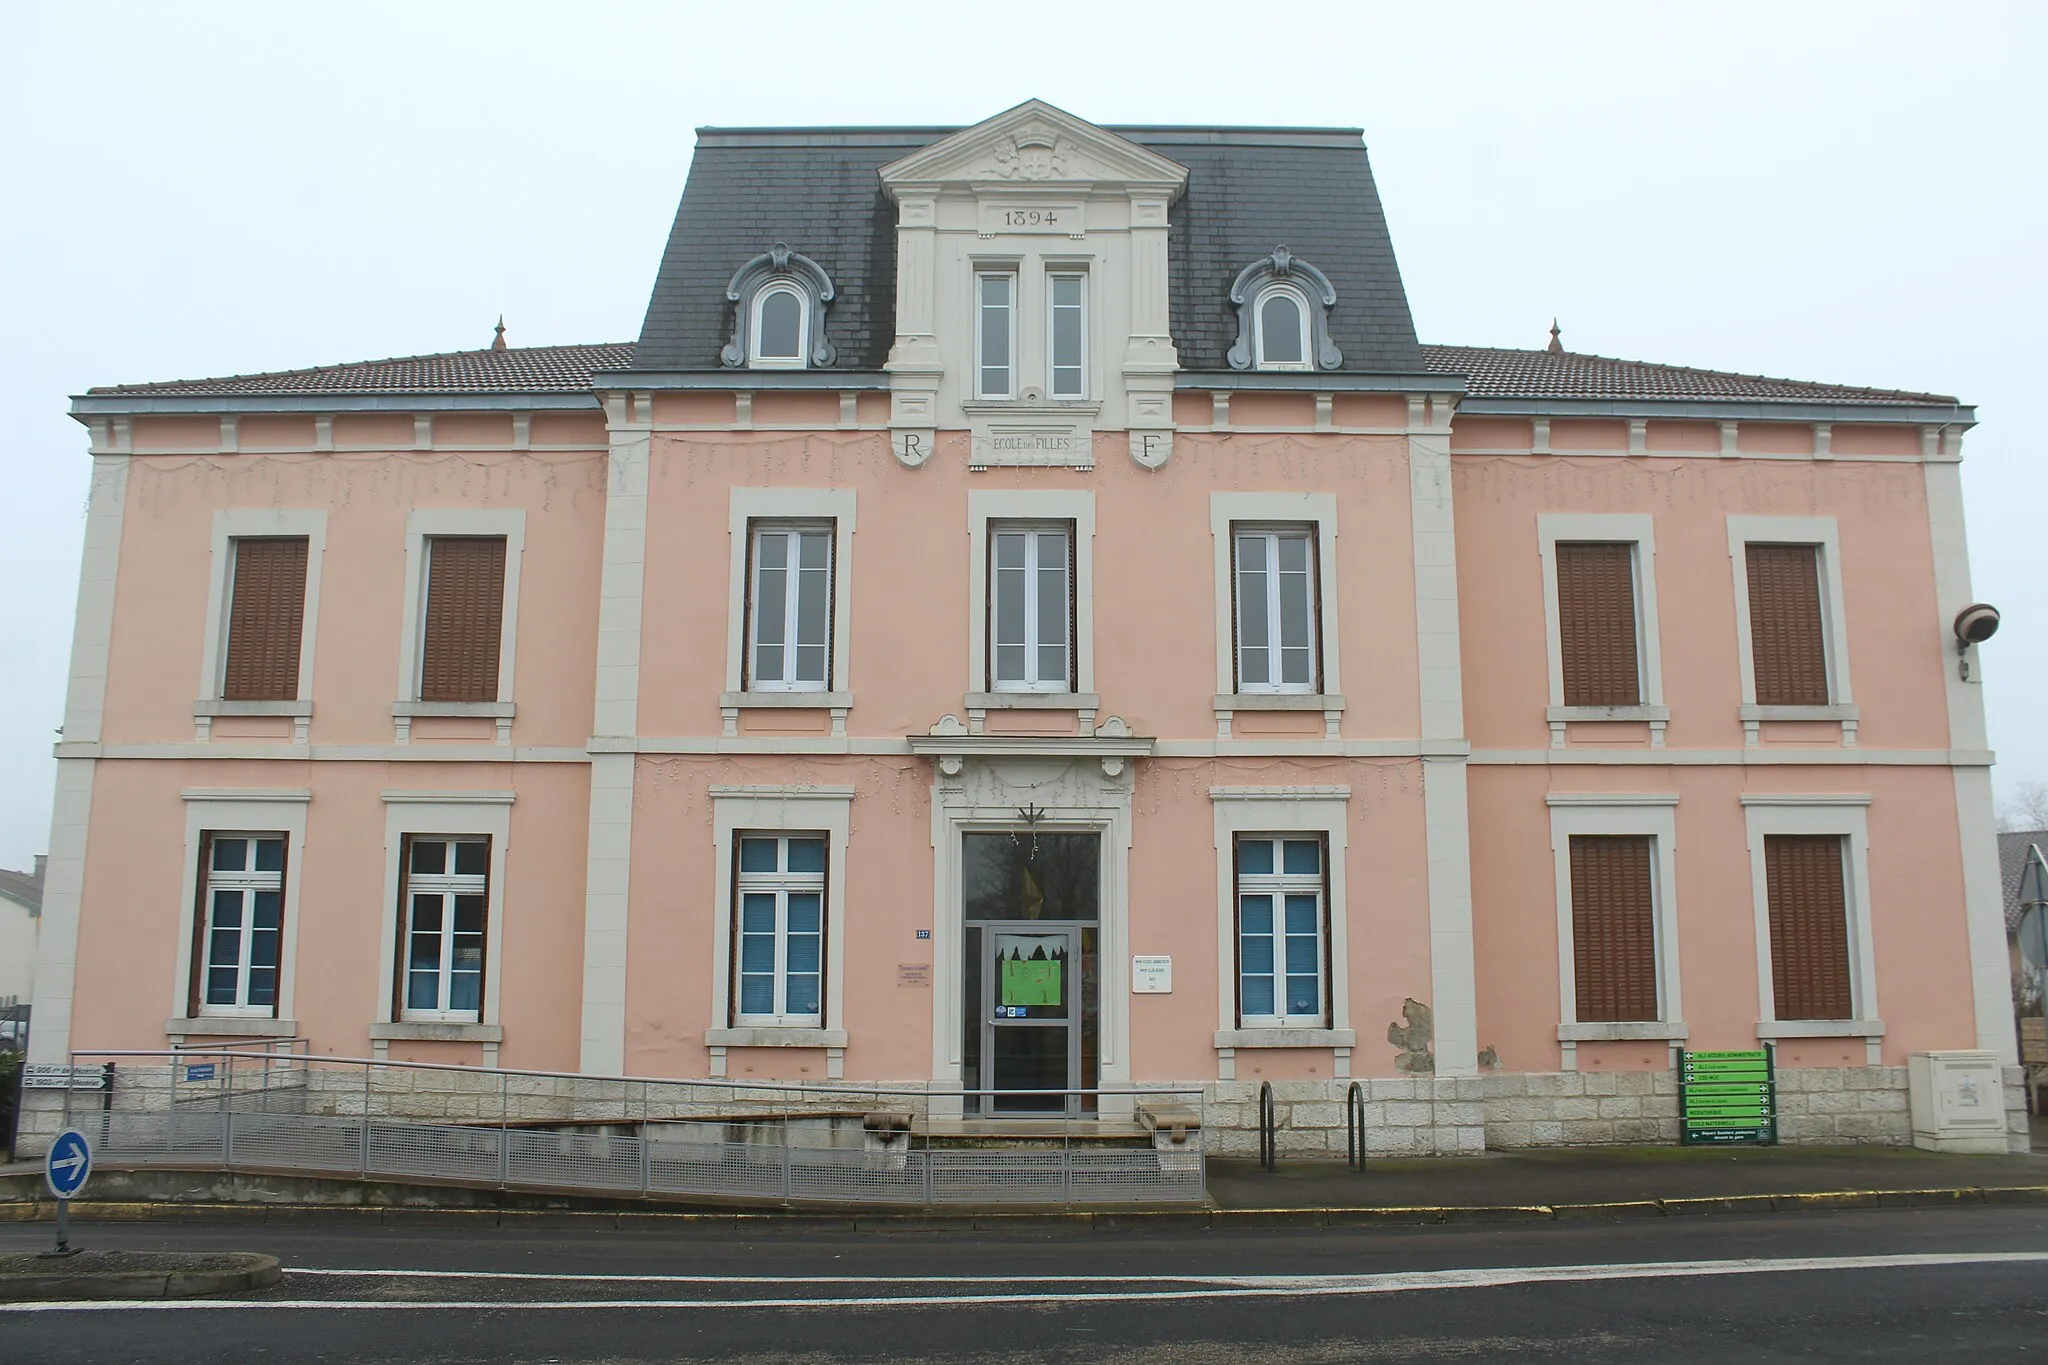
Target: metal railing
712 1140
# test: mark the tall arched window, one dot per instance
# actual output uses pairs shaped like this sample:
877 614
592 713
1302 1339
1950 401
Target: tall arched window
778 332
1282 325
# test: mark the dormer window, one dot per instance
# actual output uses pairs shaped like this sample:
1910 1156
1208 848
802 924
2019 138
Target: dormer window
1281 328
779 302
1283 305
778 333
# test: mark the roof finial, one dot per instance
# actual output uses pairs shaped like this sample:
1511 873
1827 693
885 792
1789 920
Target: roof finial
1556 346
498 342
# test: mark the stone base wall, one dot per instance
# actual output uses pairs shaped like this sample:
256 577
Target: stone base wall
1404 1116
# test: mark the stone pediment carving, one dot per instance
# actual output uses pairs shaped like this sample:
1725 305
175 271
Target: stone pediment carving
1035 144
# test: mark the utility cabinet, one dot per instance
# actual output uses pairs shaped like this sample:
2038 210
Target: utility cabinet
1958 1101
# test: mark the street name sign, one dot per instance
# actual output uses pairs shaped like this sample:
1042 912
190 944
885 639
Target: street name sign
1727 1097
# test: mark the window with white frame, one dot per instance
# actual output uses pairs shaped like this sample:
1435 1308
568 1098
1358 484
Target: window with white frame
446 897
243 924
779 327
789 641
1280 329
780 934
995 334
1067 334
1274 582
1281 900
1031 608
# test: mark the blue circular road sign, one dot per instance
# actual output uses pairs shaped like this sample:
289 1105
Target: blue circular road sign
68 1164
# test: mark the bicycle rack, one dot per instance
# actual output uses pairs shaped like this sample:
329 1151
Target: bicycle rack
1354 1126
1269 1128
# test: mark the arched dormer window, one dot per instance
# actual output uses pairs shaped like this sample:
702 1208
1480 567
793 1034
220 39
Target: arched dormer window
779 302
1283 306
1280 329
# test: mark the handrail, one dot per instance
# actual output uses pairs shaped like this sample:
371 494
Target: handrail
1269 1128
1354 1126
724 1082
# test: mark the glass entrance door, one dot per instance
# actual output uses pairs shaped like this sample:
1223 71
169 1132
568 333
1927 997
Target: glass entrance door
1032 971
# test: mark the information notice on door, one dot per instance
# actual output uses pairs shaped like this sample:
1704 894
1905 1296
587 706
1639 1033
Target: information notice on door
1031 981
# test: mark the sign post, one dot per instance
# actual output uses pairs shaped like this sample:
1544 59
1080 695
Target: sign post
66 1166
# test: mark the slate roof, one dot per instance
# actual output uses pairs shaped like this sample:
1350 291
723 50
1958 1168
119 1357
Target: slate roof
517 369
1249 190
1490 373
24 887
1493 373
2012 861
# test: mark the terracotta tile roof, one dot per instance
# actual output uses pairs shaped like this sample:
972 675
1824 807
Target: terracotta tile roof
2012 861
24 887
522 369
1490 373
1494 373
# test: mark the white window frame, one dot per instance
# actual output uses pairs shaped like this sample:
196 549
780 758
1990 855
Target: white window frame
1846 815
208 810
770 810
799 361
423 524
445 815
1279 885
793 529
1606 527
1824 532
745 507
781 885
229 526
1273 534
1590 814
1052 367
249 882
1014 278
1034 565
1319 511
1278 812
1307 361
1040 507
447 885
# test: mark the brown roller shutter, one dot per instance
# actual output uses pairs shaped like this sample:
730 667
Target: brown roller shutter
465 611
1809 926
1596 620
266 619
1614 936
1785 641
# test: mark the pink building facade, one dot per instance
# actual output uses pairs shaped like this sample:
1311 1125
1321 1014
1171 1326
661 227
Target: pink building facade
1029 616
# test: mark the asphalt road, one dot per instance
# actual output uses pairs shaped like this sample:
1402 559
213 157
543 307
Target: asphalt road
1911 1285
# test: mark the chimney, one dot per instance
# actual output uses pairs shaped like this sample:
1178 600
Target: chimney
42 861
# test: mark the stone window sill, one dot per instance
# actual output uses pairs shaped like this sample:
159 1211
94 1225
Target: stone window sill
730 704
206 710
1755 717
1033 701
774 1036
1771 1029
231 1026
436 1032
1226 705
1558 717
403 713
1647 1030
1286 1037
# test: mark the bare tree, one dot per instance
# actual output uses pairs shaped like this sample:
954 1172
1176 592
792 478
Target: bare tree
2027 808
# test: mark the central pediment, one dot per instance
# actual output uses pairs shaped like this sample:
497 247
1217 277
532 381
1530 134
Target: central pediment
1035 144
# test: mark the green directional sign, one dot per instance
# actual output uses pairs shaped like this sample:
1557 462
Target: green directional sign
1727 1097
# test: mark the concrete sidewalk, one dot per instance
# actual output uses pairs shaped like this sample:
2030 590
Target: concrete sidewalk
1551 1177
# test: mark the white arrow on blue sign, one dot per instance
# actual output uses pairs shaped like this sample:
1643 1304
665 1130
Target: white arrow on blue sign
68 1164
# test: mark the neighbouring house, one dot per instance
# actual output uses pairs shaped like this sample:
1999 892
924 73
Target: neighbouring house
2023 876
21 908
1028 614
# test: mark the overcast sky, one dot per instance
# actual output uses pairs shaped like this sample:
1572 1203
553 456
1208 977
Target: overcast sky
1846 192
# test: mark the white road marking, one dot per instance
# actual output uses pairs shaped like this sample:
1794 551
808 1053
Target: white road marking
1213 1287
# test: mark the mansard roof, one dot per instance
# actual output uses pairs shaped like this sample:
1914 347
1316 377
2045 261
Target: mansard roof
1249 190
1489 372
